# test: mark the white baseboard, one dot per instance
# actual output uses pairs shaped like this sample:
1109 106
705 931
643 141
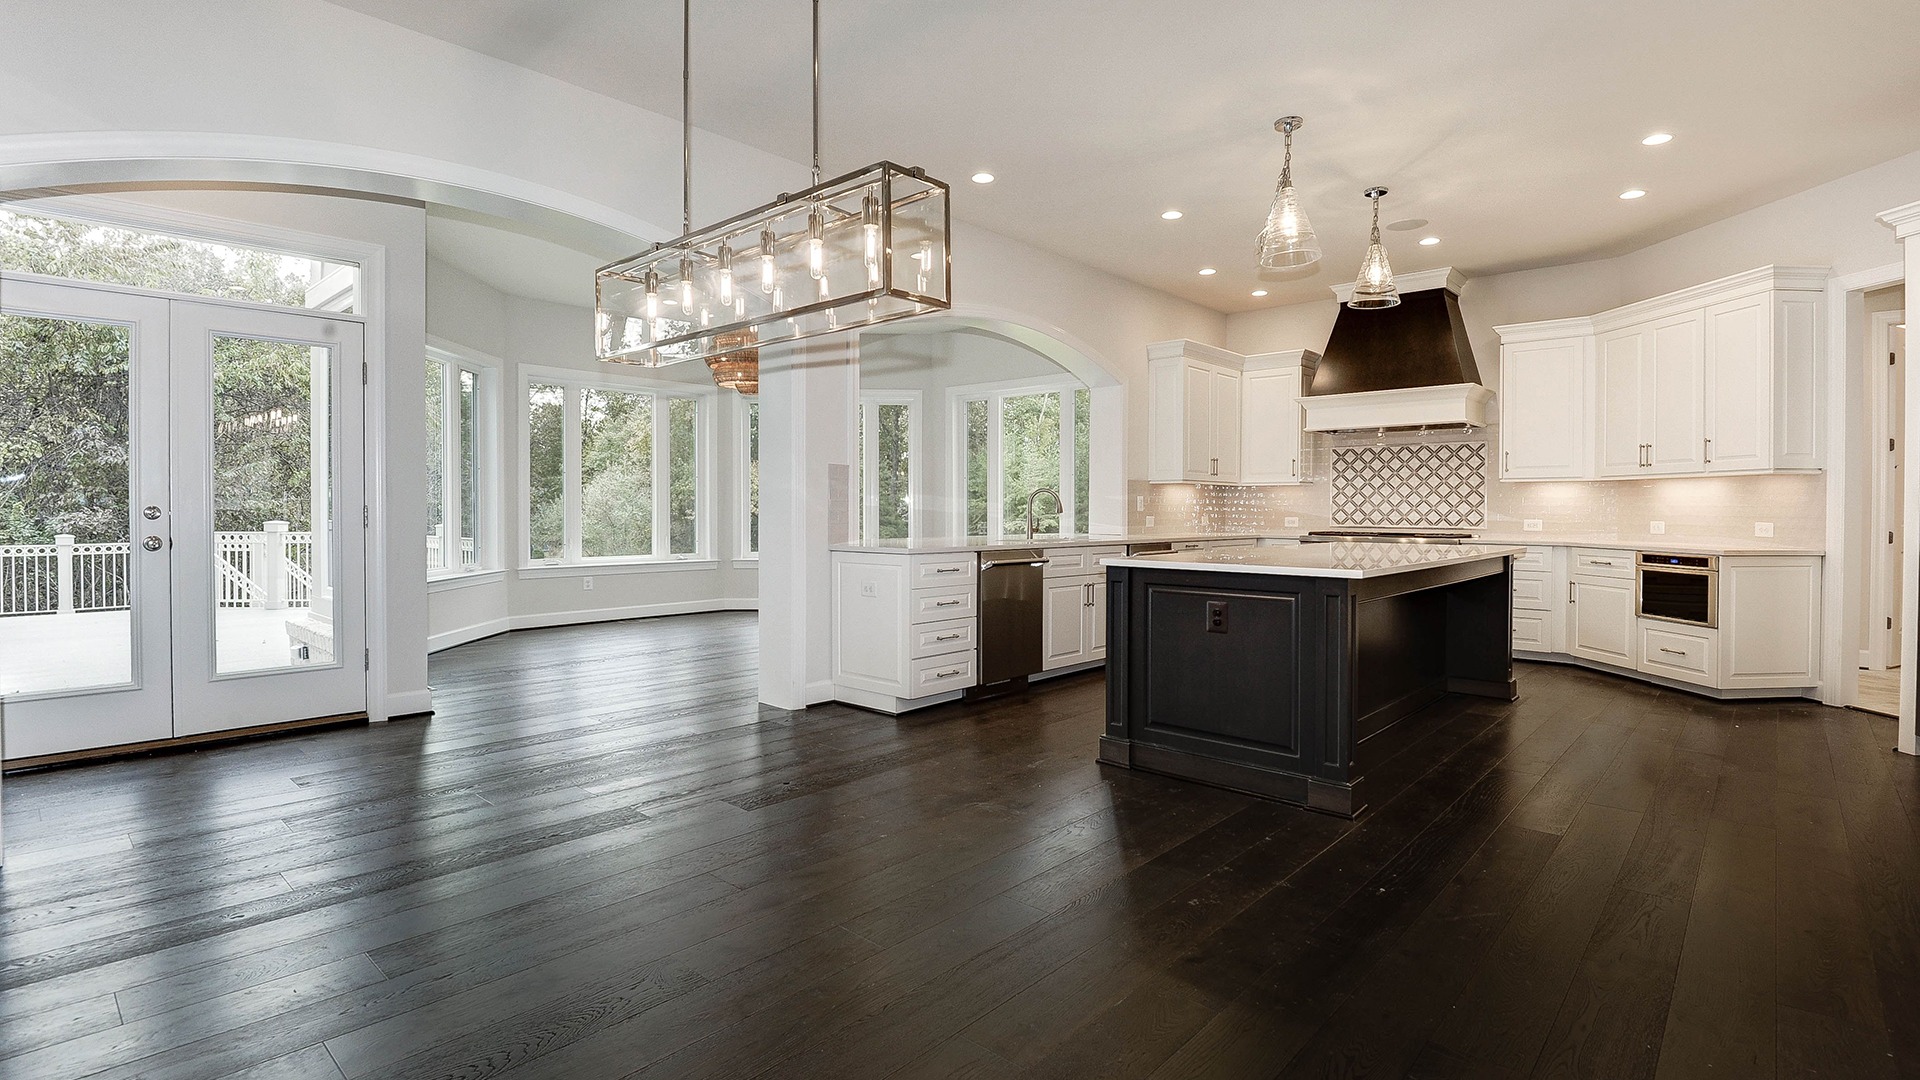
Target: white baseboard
632 611
818 692
410 702
460 636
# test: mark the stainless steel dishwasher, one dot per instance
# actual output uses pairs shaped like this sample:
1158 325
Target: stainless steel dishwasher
1012 592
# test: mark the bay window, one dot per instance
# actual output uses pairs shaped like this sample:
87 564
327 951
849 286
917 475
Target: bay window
613 472
458 491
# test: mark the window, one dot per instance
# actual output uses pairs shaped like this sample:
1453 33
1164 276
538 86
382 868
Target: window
458 496
612 472
113 254
888 476
1015 440
750 481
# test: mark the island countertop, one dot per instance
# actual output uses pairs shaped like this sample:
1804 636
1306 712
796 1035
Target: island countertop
1335 560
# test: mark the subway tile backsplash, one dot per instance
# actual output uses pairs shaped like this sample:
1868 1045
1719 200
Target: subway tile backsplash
1692 508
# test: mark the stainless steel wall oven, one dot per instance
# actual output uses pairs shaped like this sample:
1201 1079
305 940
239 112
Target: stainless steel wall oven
1679 588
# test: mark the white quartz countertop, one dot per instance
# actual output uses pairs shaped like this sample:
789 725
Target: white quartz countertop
1336 560
1757 546
951 545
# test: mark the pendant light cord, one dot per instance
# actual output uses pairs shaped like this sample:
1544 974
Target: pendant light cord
816 93
686 117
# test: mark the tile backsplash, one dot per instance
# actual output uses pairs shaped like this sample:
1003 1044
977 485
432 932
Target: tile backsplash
1423 485
1697 508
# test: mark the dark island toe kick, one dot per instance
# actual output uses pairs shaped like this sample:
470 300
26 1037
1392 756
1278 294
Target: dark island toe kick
1266 676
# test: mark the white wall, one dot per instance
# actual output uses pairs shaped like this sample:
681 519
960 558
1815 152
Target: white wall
465 313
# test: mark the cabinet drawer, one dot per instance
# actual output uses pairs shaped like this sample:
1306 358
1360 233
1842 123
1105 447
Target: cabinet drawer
932 639
939 605
1532 589
939 674
1678 654
1599 562
1536 558
1530 632
943 569
1079 561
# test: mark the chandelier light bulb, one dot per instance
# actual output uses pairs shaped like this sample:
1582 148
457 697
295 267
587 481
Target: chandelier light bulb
726 275
653 296
816 245
768 277
686 285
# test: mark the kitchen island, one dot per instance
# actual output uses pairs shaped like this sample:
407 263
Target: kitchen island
1286 671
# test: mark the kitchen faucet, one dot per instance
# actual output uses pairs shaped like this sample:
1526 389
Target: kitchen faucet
1035 494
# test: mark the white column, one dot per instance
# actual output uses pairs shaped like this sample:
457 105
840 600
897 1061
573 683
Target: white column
1906 225
807 393
63 571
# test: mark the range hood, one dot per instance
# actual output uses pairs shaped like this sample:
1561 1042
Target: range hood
1399 367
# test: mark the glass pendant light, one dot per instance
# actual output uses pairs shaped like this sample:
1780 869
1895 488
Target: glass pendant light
1374 287
1288 241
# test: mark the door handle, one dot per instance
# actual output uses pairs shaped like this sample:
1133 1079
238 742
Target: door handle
153 543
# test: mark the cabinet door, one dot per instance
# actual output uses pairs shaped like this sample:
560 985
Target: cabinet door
1542 410
1673 395
1601 624
1623 355
1196 427
1226 427
1063 632
1739 386
1270 426
1097 619
1769 622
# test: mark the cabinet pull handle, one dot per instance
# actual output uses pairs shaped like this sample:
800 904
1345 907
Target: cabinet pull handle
1709 452
1599 562
1676 652
1569 592
948 637
949 673
1506 461
946 603
947 570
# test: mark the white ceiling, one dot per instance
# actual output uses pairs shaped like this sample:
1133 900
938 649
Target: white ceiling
1511 125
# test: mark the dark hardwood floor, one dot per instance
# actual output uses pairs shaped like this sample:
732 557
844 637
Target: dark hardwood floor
602 859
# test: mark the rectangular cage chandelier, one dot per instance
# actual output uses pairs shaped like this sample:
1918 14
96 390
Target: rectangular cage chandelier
865 248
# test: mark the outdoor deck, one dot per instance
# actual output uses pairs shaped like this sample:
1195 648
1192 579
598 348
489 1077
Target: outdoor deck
45 653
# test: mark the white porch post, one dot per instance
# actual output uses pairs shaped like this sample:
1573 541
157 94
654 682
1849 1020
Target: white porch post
63 571
272 566
1906 225
806 423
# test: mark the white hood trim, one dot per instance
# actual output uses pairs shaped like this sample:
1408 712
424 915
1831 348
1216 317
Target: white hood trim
1416 406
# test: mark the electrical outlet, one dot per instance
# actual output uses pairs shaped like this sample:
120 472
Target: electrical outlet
869 589
586 584
1763 528
1149 521
1140 503
1293 523
1533 524
1656 528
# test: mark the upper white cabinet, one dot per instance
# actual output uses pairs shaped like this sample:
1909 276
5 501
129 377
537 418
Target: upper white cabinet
1543 404
1216 417
1719 378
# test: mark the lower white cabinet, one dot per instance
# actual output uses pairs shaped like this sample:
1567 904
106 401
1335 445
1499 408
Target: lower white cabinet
905 628
1686 653
1601 623
1073 627
1769 622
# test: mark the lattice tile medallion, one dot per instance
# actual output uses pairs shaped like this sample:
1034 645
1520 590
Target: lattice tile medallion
1421 485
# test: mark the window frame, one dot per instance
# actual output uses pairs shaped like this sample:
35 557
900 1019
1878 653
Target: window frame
747 415
995 395
867 442
573 384
486 452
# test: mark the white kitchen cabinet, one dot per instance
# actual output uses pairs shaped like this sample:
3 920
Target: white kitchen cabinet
1601 624
1543 406
1539 601
1272 425
1769 622
1675 651
1193 408
1720 378
905 628
1074 612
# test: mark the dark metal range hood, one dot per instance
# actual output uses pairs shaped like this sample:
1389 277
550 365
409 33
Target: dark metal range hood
1398 367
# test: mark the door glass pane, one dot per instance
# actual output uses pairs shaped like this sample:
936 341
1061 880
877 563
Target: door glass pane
753 477
467 557
65 447
546 472
616 473
436 465
274 604
977 465
1030 458
894 465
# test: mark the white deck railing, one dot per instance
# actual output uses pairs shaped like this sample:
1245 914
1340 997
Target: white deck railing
272 568
469 551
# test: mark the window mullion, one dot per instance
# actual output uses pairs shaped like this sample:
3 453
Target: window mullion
570 456
662 487
996 468
450 467
1067 471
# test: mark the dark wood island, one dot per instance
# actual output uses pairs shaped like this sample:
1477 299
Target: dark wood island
1278 671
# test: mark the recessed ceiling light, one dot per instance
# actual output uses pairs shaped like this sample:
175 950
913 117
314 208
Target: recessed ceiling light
1208 271
1259 292
1172 215
1429 241
1656 139
983 178
1632 193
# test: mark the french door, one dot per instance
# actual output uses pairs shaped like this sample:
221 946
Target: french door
182 540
